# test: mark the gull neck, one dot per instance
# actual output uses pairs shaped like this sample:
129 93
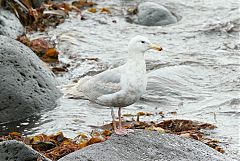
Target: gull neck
135 56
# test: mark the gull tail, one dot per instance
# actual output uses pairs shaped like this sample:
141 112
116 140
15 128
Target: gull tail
72 91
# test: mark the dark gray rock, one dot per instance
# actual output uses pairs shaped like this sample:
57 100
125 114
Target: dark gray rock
26 84
13 150
9 24
153 14
148 146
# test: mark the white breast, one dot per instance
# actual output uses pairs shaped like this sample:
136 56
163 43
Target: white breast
134 79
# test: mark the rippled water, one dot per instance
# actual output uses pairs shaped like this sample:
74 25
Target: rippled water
197 74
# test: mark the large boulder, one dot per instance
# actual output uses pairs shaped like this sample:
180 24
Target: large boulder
13 150
147 146
9 24
153 14
26 84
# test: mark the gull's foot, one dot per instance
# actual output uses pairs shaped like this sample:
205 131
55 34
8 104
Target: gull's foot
123 131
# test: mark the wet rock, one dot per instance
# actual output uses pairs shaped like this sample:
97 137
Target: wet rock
153 14
26 84
148 146
9 24
17 151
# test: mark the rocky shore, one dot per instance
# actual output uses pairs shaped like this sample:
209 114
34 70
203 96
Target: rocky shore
140 145
28 87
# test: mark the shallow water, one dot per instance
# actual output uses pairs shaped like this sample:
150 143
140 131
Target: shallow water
197 74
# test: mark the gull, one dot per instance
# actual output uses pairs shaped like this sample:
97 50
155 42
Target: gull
118 87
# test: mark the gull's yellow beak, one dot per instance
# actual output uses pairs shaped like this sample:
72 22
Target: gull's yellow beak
155 47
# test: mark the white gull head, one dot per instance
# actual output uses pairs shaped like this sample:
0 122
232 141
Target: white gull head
140 44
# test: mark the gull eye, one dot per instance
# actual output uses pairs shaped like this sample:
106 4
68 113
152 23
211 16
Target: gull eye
143 42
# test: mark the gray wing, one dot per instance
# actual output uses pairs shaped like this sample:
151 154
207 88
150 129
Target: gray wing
107 82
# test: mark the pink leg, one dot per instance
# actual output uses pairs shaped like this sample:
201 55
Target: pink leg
113 120
121 130
120 118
